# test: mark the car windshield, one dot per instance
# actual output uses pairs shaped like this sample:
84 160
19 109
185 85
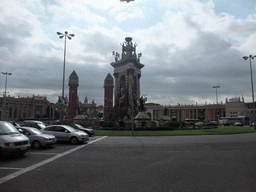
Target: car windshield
35 131
7 128
79 126
41 125
71 129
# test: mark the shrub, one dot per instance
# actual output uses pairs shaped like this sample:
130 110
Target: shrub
109 124
172 124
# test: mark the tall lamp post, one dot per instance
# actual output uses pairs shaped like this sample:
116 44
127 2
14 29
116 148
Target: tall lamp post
216 87
69 36
253 104
4 103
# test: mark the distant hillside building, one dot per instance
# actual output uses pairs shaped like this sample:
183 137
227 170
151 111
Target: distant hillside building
83 107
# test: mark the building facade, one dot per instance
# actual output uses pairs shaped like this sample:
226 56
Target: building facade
233 107
20 108
236 107
211 112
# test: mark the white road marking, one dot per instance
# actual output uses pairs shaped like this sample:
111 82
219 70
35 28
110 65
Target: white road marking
36 153
10 168
22 171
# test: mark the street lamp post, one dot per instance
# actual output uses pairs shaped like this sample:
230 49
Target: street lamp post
253 104
61 35
4 103
216 93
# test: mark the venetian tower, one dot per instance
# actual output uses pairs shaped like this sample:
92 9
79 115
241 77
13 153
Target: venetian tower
73 98
108 96
127 73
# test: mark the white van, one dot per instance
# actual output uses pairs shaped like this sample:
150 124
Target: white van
11 140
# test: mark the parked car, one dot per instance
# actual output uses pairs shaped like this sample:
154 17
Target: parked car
199 123
31 123
66 133
11 140
15 124
90 132
238 124
37 138
212 123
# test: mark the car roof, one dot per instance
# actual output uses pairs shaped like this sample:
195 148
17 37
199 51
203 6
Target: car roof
31 121
28 128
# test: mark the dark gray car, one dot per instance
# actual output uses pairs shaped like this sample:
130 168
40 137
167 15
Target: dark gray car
89 131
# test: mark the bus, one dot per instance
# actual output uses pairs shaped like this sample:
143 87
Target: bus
232 120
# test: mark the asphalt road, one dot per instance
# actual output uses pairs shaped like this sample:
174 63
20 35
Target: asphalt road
163 163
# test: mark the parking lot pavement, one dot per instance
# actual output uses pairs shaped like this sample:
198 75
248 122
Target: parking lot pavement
183 163
13 164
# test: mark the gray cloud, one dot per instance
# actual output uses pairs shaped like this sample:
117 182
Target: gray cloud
175 71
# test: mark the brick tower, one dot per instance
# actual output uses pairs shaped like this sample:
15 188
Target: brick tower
73 98
108 96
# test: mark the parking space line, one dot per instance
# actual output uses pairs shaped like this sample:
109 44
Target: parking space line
10 168
30 168
36 153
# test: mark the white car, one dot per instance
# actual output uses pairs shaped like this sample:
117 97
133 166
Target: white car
11 140
66 133
199 123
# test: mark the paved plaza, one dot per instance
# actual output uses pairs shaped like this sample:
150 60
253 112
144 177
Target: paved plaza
163 163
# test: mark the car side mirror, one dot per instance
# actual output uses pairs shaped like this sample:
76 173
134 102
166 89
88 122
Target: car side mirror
66 131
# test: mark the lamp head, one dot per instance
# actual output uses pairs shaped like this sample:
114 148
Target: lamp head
245 57
59 33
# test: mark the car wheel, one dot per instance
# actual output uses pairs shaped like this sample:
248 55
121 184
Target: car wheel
36 145
73 140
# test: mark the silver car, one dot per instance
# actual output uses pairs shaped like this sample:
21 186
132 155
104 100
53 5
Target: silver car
66 133
11 140
37 138
89 131
35 124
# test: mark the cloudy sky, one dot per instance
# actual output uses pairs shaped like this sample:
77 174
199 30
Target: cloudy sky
188 46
